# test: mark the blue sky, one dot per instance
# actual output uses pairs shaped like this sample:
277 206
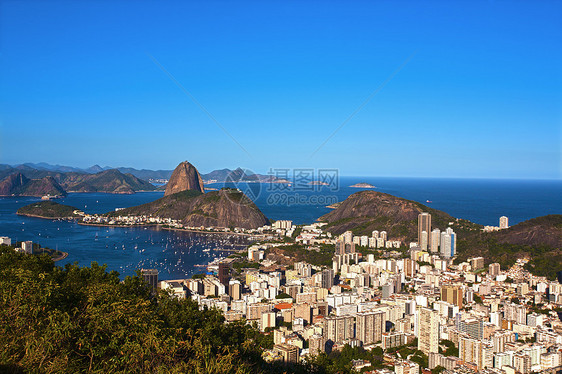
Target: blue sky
479 96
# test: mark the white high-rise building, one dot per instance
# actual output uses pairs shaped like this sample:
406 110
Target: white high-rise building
448 243
504 222
364 241
445 245
27 247
348 237
424 224
283 224
424 240
435 240
428 330
370 326
479 352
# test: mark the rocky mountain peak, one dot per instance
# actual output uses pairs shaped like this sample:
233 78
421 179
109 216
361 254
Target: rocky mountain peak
185 177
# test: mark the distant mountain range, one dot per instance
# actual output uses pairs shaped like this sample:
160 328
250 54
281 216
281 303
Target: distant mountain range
42 169
33 182
19 185
237 175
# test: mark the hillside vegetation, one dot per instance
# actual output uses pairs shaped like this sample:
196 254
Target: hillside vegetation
47 209
112 181
55 320
366 211
84 319
223 208
57 183
19 185
538 239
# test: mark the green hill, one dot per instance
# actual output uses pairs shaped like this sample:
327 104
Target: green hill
538 239
223 208
84 319
47 209
18 184
366 211
112 181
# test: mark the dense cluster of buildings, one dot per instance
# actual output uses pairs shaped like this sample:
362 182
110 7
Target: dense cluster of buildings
129 220
436 241
465 317
347 242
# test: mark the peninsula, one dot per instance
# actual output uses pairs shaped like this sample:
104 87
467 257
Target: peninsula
50 210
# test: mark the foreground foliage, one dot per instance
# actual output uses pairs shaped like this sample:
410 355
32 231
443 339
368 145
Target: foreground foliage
83 319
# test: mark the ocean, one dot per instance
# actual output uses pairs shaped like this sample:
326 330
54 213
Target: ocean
180 254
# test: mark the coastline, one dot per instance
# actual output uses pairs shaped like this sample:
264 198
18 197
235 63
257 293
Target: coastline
43 217
108 225
61 257
151 225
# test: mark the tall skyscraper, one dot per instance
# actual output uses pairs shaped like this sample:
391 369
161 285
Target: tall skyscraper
478 352
327 280
448 243
224 273
435 240
235 289
343 247
504 222
27 247
150 276
428 330
370 326
339 328
424 240
424 224
494 269
453 241
348 237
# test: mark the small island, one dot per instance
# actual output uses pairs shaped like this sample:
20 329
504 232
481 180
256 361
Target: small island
363 185
318 183
49 209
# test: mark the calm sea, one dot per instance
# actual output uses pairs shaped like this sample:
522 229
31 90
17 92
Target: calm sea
481 201
177 254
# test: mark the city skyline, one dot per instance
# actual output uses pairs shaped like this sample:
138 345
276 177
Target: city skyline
469 90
